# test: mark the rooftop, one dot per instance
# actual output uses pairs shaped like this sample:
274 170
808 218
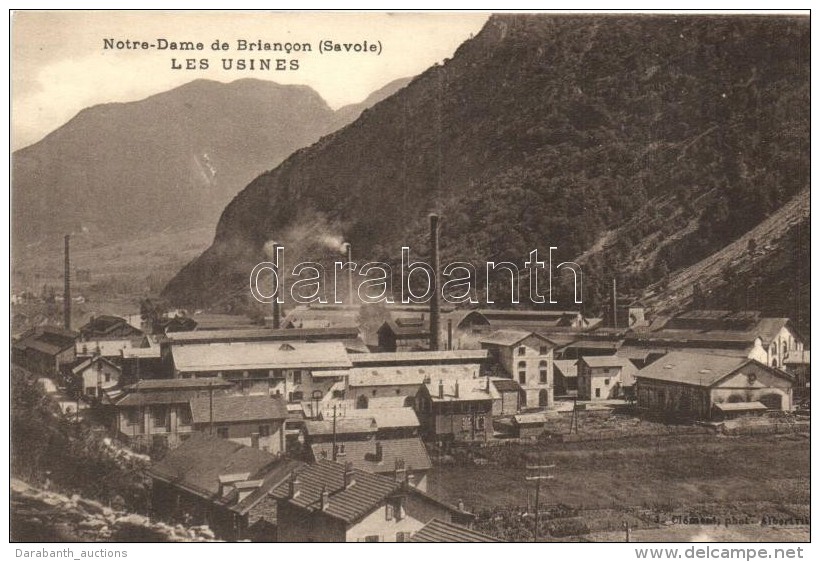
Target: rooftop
348 504
240 408
260 355
692 368
510 337
264 334
363 454
440 531
420 357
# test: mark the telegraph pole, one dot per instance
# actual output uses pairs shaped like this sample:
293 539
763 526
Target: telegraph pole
538 477
211 406
573 422
334 433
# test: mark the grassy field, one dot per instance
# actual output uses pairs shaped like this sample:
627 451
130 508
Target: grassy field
657 477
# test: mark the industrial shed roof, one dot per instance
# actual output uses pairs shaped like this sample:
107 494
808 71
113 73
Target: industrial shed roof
692 368
260 355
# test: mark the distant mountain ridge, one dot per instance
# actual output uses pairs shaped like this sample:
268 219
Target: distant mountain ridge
598 134
174 159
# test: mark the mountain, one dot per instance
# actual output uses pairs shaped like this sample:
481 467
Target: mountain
349 113
174 159
597 134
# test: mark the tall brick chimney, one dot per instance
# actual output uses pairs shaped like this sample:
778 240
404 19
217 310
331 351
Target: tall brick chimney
434 302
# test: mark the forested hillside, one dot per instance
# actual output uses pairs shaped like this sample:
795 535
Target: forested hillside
595 134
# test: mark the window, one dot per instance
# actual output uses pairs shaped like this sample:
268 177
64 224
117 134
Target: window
480 423
402 536
185 416
606 382
371 538
296 396
159 415
522 377
132 417
339 394
542 376
361 402
398 391
374 392
108 377
544 350
522 350
222 432
597 393
91 390
297 377
388 512
264 430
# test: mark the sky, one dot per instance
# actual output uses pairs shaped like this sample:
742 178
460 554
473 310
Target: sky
59 65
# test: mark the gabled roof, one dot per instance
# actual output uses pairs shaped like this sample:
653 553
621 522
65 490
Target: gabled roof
386 418
265 334
90 361
240 408
439 531
344 426
606 361
505 385
362 454
698 369
259 355
420 330
350 504
197 464
511 337
567 367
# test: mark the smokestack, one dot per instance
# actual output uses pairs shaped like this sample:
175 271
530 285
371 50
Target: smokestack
449 334
278 288
434 302
348 475
614 303
347 247
67 286
294 485
325 499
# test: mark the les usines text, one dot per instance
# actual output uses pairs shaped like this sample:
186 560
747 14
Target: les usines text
325 46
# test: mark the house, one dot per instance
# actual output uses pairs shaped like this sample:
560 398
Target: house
509 397
467 327
222 484
254 421
529 425
459 410
107 327
708 386
96 374
299 371
768 340
527 358
380 456
605 378
44 350
404 334
158 412
333 502
111 349
438 531
798 363
353 424
318 316
142 363
565 377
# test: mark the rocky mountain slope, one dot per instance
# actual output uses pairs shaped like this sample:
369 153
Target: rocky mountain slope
595 134
174 159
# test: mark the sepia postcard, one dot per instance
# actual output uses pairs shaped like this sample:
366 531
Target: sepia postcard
306 276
